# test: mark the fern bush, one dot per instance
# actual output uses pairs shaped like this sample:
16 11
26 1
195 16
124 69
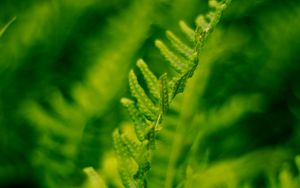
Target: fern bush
222 112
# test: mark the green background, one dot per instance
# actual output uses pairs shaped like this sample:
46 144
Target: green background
64 67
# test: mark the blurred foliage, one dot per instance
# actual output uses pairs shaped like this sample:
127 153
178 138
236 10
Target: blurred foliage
64 67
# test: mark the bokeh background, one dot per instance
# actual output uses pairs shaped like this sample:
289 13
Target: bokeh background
64 67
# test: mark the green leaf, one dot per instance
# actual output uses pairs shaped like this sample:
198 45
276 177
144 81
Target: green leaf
177 84
126 178
150 78
151 138
94 179
127 150
189 32
144 103
179 45
134 148
219 5
164 95
203 23
120 148
140 124
215 4
140 175
178 63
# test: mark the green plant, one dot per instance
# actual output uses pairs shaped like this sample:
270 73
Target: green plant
134 155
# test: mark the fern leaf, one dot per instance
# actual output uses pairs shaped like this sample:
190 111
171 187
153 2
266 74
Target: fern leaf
140 175
164 93
133 147
94 180
214 4
144 103
178 63
123 155
127 181
126 149
122 150
218 5
160 89
139 155
189 32
140 124
149 77
206 23
177 84
203 22
179 45
151 138
202 30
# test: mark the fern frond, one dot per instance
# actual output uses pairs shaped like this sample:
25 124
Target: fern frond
149 113
131 151
119 145
178 63
126 177
189 32
179 45
177 84
143 101
206 23
152 135
214 4
134 148
164 93
140 124
149 77
203 23
126 169
94 180
139 154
